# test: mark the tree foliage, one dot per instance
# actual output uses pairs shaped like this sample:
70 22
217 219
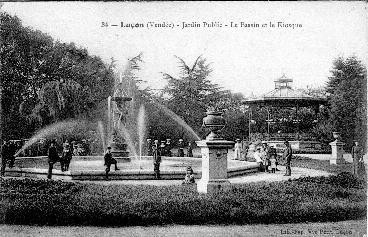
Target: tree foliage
191 93
347 97
45 81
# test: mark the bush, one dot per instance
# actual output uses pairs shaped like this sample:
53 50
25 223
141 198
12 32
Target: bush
344 179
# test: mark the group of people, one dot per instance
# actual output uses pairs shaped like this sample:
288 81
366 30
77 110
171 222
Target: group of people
53 157
157 152
267 158
166 147
80 149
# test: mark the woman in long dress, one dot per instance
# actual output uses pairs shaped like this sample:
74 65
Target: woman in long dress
238 150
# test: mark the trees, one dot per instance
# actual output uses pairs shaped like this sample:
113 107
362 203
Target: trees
347 98
46 81
191 93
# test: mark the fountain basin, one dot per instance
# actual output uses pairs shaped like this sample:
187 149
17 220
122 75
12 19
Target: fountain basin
92 168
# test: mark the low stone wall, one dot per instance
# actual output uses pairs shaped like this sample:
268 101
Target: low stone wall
40 167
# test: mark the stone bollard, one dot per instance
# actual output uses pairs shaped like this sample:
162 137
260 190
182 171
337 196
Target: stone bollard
337 148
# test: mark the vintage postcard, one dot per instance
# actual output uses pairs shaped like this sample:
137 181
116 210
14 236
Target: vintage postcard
183 118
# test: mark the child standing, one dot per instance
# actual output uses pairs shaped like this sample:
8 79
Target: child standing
273 163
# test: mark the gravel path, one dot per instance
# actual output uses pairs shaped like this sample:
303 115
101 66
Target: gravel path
343 228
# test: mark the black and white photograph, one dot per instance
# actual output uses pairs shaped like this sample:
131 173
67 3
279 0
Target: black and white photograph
179 118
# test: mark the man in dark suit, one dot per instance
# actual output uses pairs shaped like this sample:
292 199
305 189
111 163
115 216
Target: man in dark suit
109 160
181 148
287 156
357 155
53 157
156 159
4 157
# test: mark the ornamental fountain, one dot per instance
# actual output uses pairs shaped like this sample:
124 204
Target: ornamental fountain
117 114
214 168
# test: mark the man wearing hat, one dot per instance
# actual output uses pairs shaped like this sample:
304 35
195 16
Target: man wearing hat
265 154
53 157
287 156
149 147
357 155
4 156
181 148
156 159
66 156
168 147
109 161
163 148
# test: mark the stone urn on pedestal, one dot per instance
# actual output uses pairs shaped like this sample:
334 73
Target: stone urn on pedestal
337 148
214 151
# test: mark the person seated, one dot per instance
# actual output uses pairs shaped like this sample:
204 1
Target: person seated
109 160
189 176
257 157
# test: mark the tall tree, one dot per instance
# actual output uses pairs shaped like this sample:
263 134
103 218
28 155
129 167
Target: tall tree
191 93
347 94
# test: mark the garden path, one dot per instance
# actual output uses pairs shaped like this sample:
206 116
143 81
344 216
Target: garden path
342 228
296 172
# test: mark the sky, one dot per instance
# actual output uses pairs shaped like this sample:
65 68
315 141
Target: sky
243 59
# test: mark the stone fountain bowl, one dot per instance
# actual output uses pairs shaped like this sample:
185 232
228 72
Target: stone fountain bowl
131 168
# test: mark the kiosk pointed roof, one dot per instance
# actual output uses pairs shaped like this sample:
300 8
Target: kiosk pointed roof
285 95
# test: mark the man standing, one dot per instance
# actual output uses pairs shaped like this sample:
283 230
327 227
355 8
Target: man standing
163 148
189 150
287 156
149 147
181 148
357 155
53 157
109 161
4 157
156 159
12 149
265 156
66 157
168 147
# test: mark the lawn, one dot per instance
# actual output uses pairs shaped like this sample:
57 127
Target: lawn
320 199
306 162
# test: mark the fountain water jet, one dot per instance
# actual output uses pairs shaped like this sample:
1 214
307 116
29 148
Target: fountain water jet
179 120
102 134
141 130
49 131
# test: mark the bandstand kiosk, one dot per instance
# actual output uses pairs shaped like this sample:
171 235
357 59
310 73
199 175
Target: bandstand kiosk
284 96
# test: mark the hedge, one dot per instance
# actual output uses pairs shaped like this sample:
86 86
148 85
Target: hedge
43 202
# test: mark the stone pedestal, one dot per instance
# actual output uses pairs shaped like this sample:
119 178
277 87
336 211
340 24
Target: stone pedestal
337 153
214 166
